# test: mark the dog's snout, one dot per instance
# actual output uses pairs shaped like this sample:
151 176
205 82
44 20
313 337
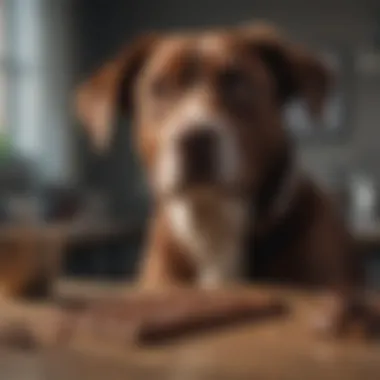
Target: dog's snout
201 142
199 152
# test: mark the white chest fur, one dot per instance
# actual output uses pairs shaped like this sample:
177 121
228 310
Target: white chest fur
211 227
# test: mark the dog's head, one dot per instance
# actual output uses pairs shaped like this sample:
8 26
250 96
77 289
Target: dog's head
207 106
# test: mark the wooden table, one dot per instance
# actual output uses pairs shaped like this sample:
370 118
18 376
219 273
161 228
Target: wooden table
278 349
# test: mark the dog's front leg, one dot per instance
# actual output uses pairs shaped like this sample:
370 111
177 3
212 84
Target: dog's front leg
347 310
221 269
164 263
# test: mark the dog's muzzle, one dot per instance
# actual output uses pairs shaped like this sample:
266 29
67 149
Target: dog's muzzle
197 154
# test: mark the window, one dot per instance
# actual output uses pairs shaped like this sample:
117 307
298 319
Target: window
37 83
3 72
25 77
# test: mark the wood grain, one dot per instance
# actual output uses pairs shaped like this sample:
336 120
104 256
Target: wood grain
276 349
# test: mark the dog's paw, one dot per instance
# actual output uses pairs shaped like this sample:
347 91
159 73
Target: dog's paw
349 318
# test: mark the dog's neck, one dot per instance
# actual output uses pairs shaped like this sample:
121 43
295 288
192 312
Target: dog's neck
212 228
277 190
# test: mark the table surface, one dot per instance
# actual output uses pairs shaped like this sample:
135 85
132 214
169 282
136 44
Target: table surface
80 231
277 349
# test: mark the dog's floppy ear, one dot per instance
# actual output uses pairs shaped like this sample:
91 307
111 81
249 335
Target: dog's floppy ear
109 91
297 71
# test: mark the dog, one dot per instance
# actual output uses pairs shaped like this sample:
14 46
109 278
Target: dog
230 202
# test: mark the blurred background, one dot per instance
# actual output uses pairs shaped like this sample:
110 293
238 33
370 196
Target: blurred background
50 177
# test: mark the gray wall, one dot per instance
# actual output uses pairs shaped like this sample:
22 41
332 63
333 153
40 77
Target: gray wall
102 26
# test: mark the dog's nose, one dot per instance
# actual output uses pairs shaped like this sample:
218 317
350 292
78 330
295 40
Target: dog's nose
199 152
200 141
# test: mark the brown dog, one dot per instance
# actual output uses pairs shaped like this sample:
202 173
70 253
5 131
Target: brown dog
229 198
